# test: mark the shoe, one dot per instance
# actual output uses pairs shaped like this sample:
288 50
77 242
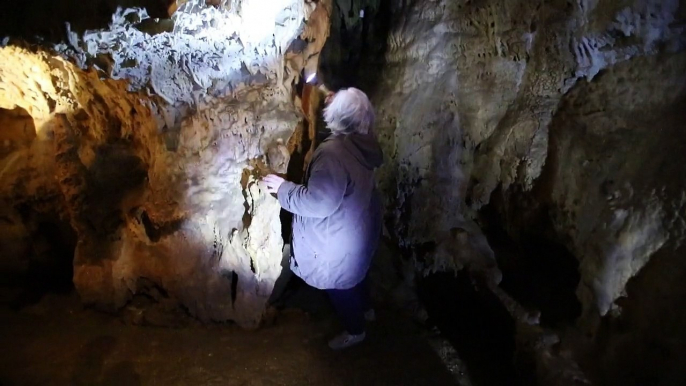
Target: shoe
370 315
345 340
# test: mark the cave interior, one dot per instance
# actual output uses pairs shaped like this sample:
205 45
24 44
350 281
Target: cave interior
534 191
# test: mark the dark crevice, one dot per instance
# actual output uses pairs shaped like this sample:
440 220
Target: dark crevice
149 288
247 216
150 230
18 130
50 256
234 287
538 271
156 231
152 305
353 54
296 165
475 323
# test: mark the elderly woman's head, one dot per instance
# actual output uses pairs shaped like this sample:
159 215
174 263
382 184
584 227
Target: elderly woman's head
349 112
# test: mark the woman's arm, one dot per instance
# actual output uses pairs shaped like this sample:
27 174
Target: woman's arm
322 195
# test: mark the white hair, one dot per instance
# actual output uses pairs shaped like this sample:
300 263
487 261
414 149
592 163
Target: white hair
349 112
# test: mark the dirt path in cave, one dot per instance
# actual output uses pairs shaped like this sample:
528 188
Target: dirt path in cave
57 342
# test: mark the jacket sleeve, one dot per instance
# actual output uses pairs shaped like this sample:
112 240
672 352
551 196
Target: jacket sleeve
323 194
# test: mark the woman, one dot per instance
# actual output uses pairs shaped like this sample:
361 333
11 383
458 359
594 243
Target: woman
337 212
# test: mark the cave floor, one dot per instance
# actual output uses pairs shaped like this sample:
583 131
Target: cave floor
57 342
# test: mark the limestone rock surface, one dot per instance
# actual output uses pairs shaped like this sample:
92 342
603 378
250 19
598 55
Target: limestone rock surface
563 110
151 144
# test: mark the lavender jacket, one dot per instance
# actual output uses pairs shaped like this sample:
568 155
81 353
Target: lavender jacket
337 222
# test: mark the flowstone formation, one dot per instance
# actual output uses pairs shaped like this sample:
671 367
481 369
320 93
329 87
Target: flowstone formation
470 89
562 110
149 140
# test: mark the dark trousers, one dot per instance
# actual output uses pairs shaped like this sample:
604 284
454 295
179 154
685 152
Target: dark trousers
350 305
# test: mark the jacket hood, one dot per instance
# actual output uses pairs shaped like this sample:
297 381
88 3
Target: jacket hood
365 148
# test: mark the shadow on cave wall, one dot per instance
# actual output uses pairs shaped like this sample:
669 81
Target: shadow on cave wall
49 259
52 241
39 241
37 245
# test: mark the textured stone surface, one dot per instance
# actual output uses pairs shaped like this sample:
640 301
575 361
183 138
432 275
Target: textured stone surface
157 172
618 193
479 89
477 97
614 184
468 106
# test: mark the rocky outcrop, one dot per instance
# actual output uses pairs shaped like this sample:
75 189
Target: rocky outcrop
156 169
614 190
560 110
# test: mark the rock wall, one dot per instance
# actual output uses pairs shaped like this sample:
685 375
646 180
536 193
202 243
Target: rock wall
563 110
151 143
614 191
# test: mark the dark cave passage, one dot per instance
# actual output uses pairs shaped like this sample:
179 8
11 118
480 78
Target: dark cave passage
538 270
475 323
540 274
48 263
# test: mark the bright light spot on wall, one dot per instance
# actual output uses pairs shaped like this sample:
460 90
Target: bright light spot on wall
259 18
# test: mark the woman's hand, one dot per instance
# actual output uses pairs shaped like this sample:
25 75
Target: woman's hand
329 97
273 182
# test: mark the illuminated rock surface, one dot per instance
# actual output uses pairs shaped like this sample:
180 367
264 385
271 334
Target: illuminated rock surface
156 173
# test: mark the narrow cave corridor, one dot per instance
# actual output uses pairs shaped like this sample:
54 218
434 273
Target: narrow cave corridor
533 190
